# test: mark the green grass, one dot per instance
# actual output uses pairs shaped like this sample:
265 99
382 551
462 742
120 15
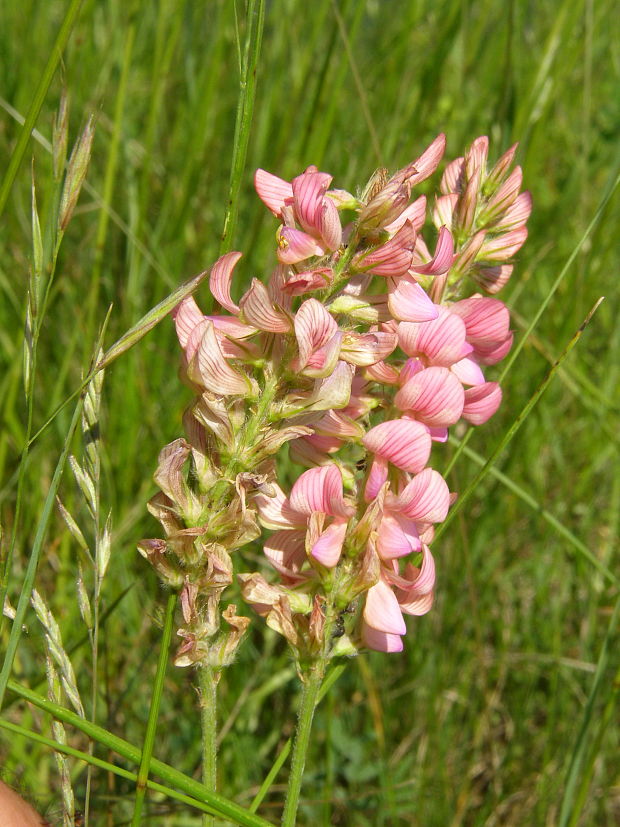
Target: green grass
502 709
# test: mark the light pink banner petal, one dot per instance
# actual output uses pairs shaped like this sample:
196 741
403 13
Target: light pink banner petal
443 258
186 316
295 245
425 499
382 612
328 547
397 537
272 191
481 402
405 443
468 371
435 395
314 327
408 302
217 375
259 311
380 641
221 278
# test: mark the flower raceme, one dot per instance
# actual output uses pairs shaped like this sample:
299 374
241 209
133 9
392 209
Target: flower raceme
360 351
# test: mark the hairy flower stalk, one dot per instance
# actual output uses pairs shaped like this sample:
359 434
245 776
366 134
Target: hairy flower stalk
360 350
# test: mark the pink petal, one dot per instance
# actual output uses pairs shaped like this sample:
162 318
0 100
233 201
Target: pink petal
442 340
481 402
380 641
392 258
314 327
501 167
486 319
295 245
468 371
364 349
404 442
258 310
517 214
323 361
428 161
299 283
435 395
272 191
314 450
397 536
444 210
215 372
376 478
415 213
320 490
502 247
220 280
492 279
452 178
186 316
425 499
505 195
328 547
309 189
286 551
408 302
334 391
276 512
444 255
382 372
382 612
329 226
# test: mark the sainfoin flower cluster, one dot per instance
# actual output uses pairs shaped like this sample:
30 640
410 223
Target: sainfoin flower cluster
358 353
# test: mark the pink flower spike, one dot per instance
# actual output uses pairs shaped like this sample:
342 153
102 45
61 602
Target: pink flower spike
404 442
220 279
258 310
186 316
294 245
320 490
328 547
408 302
442 260
481 402
382 611
314 327
272 191
425 499
435 395
380 641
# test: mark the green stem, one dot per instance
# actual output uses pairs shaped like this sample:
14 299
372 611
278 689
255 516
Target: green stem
309 699
207 683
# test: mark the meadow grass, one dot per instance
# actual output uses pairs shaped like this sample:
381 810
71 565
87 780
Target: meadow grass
502 710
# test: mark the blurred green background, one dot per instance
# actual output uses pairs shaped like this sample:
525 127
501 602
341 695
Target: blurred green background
497 695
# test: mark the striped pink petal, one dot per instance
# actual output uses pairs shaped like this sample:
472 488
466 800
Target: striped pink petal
486 320
309 189
452 178
221 278
320 490
286 551
334 391
404 442
364 349
382 372
215 372
314 327
380 641
329 226
382 612
392 258
408 302
502 247
442 260
415 213
505 195
425 499
299 283
501 167
376 478
258 310
442 340
295 245
517 214
328 548
435 395
323 361
414 580
428 161
276 512
444 209
272 191
492 279
481 402
186 316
